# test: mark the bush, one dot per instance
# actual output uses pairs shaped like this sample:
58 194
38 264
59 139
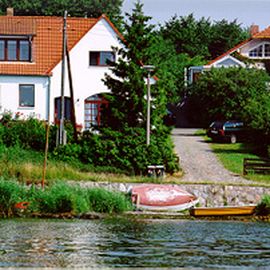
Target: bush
10 194
60 198
56 199
28 133
104 201
263 208
128 151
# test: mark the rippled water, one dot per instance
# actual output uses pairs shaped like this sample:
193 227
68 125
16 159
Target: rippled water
126 243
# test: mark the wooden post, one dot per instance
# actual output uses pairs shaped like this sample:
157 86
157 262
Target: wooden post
73 116
46 154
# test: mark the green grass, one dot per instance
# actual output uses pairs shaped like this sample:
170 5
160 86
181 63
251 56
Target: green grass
27 166
232 156
60 198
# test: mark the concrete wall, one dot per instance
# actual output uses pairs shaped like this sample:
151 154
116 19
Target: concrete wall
209 195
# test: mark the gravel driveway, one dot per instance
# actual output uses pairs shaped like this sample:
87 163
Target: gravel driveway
198 161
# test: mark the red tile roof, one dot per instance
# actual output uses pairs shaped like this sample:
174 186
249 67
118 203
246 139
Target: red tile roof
47 40
228 52
263 34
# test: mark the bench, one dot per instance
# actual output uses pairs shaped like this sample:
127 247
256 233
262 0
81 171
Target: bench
156 171
256 165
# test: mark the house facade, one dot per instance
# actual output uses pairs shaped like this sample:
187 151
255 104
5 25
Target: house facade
31 64
253 52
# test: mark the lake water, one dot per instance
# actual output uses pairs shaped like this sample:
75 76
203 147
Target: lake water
128 243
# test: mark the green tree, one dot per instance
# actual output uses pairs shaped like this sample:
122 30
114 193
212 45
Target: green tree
127 85
188 35
124 121
170 67
76 8
225 35
233 93
201 37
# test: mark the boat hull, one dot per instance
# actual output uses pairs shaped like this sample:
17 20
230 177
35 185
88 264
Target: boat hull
223 211
162 198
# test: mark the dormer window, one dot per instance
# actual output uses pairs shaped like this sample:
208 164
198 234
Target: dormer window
261 51
15 49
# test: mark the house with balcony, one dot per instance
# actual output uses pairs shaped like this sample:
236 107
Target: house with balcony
31 59
251 53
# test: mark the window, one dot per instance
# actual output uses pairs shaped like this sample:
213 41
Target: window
101 58
26 95
92 109
12 49
260 51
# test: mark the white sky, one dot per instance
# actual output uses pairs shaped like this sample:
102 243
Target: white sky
246 12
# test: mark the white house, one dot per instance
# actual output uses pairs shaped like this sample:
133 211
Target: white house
250 53
30 65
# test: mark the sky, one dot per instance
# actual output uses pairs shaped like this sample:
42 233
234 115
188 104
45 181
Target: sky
247 12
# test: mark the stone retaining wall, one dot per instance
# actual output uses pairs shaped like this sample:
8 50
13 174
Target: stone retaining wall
209 195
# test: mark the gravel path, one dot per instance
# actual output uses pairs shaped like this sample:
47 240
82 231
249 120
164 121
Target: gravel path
198 161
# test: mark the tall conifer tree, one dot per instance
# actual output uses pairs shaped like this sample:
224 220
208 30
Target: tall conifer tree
128 87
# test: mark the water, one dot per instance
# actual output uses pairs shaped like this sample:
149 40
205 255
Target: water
127 243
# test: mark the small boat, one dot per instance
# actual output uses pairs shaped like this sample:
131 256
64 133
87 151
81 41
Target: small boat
223 211
162 197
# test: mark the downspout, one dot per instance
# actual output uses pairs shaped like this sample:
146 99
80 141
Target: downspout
47 134
49 99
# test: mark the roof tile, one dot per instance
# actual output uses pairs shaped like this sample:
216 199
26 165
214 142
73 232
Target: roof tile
47 41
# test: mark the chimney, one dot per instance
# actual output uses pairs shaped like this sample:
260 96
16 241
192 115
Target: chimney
254 29
10 11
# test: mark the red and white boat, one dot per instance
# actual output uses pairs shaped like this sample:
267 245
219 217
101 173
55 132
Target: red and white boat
162 197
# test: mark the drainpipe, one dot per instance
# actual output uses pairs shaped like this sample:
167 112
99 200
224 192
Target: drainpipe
47 133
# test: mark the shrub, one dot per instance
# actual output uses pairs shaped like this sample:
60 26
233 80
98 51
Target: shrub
263 208
10 194
128 151
56 199
104 201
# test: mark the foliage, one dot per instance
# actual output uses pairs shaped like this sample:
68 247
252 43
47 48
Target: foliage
28 133
127 150
170 67
78 8
60 198
200 37
10 194
122 139
263 208
127 102
233 93
104 201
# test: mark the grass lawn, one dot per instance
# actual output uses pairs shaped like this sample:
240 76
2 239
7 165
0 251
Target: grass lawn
232 156
27 166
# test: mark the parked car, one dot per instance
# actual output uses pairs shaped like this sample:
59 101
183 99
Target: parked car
230 131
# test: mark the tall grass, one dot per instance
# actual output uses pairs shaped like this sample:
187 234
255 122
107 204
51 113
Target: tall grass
27 165
60 198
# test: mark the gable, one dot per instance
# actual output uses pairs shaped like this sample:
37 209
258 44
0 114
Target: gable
229 62
46 40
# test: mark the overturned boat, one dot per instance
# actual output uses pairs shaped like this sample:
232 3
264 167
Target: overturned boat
155 197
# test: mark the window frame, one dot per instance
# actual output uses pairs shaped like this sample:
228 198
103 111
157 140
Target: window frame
20 101
256 48
98 58
18 47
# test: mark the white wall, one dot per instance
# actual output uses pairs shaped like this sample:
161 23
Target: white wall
87 80
9 95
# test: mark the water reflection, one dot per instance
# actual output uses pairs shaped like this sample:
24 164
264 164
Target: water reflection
123 243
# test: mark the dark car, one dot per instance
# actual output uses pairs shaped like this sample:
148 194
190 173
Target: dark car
230 131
